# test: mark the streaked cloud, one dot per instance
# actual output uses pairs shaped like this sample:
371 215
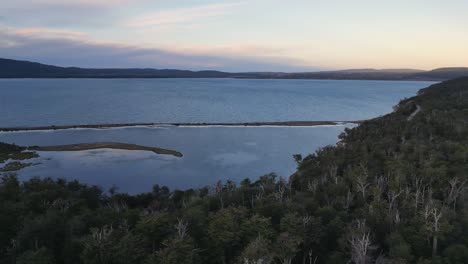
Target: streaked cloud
226 33
70 3
69 48
46 33
60 13
182 15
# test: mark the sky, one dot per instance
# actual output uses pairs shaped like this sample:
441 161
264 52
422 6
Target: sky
239 35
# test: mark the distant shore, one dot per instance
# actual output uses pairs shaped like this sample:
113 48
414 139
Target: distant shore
246 124
105 145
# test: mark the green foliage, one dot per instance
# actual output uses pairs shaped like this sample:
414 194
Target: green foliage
13 152
257 251
14 166
392 191
39 256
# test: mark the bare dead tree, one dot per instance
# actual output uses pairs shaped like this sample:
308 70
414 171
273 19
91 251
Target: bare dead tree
306 220
101 234
312 260
323 178
333 172
456 187
396 216
381 182
257 252
426 214
364 169
12 249
252 201
392 198
100 237
118 206
123 225
257 196
312 186
360 244
426 197
348 200
279 194
61 205
436 214
287 247
362 185
433 216
419 192
181 228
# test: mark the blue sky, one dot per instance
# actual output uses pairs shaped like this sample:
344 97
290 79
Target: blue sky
243 35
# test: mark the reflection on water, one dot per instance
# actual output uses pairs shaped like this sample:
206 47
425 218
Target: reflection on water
210 154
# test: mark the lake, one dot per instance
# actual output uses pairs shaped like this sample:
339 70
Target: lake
210 153
40 102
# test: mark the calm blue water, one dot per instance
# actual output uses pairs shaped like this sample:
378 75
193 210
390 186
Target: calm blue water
37 102
210 153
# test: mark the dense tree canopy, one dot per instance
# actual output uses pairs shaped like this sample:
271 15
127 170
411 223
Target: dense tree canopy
391 191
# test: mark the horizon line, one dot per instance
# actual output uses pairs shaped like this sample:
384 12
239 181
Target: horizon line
246 71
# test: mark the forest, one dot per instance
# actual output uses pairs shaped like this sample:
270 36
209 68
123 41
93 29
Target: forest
25 69
393 190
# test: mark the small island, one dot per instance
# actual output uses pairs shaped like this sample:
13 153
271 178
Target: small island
106 145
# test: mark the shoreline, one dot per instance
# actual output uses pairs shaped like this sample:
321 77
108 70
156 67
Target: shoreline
105 145
434 80
212 124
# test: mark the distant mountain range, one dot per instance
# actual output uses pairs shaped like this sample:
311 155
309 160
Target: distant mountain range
25 69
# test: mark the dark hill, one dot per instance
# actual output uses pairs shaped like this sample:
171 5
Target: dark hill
25 69
443 73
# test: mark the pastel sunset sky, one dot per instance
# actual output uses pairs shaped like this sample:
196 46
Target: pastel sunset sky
240 35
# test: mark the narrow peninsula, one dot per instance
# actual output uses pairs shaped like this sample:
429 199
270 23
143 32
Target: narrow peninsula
106 145
228 124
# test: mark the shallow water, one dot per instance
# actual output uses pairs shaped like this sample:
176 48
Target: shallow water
210 154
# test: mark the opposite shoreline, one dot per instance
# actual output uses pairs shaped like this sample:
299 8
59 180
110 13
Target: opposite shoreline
235 124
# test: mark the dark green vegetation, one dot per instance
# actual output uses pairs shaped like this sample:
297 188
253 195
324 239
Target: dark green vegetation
14 153
25 69
14 166
392 191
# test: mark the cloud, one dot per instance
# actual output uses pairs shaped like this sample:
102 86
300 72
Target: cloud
45 33
19 4
52 13
182 15
69 48
237 50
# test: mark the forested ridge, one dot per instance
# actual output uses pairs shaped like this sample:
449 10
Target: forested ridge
26 69
393 190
